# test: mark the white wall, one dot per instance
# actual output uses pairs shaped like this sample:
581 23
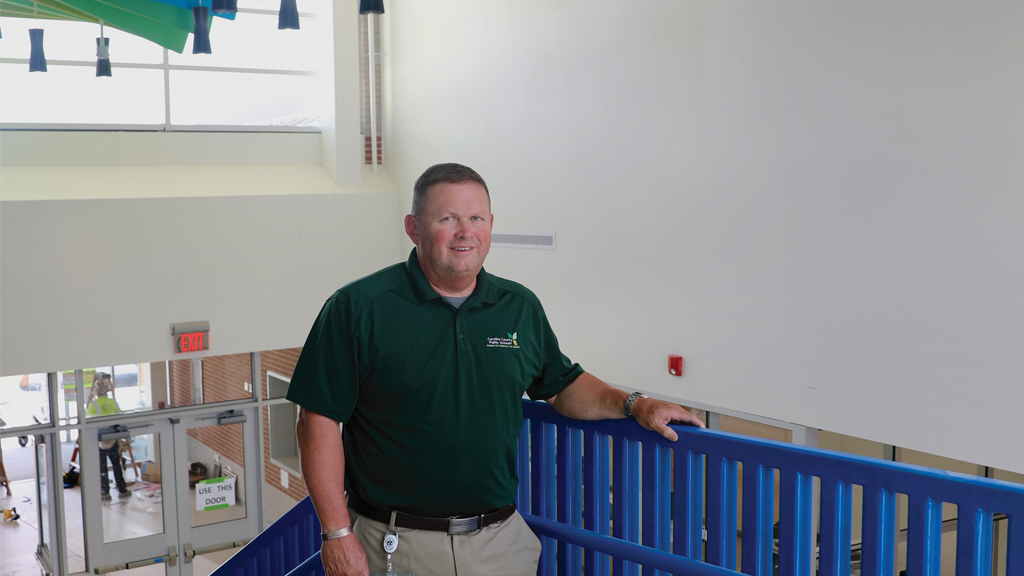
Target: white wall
818 204
98 282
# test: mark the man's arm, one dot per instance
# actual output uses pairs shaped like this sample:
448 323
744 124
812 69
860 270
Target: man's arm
589 398
322 458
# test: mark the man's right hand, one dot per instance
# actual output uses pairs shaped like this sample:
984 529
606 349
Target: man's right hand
344 557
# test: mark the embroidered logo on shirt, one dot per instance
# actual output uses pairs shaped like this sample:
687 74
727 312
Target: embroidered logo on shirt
499 342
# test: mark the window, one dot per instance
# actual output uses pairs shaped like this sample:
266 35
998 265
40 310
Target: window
257 78
284 448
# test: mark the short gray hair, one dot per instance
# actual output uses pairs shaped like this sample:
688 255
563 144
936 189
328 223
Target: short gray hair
438 173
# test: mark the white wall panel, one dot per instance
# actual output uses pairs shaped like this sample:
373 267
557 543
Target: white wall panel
818 204
98 282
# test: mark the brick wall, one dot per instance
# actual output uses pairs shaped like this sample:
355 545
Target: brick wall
224 378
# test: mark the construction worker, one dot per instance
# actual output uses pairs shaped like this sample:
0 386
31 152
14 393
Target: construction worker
104 405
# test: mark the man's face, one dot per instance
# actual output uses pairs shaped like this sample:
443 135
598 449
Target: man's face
453 234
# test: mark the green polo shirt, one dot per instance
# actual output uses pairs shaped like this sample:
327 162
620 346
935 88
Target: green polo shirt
430 395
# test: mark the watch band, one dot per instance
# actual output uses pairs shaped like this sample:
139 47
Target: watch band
628 408
339 533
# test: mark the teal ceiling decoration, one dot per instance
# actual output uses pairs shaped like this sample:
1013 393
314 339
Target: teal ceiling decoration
164 22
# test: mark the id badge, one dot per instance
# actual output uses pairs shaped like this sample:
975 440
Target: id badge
390 546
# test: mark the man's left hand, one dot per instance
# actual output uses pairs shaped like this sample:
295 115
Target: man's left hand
656 415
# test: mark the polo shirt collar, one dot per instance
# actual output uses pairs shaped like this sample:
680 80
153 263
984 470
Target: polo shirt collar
484 290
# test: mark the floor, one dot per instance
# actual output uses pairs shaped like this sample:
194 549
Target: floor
123 519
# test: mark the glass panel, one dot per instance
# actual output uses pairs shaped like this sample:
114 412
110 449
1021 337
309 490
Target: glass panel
24 400
128 475
305 7
72 494
284 449
76 41
216 474
253 41
280 485
73 94
209 380
277 386
133 388
67 403
100 399
206 564
20 537
242 99
42 493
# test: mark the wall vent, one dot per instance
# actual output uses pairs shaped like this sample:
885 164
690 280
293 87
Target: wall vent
543 241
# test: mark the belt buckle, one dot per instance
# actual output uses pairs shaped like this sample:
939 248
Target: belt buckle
458 526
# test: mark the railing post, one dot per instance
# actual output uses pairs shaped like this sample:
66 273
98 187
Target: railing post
722 512
924 542
973 542
1015 544
758 517
596 488
543 493
626 500
688 505
523 467
878 548
836 520
570 496
795 523
657 479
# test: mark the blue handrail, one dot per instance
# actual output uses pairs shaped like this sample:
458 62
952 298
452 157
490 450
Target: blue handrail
609 496
696 477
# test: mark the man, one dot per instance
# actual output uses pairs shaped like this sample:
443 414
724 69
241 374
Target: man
426 363
103 405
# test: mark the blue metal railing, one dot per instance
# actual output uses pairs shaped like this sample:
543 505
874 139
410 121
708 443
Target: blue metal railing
611 496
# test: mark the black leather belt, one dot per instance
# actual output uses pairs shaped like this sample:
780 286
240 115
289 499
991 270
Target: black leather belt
452 526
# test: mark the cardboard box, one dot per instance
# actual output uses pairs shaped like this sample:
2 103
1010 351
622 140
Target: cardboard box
151 472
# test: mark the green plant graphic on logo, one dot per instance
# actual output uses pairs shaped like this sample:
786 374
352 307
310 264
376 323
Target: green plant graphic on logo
513 336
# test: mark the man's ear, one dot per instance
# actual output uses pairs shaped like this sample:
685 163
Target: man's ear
412 229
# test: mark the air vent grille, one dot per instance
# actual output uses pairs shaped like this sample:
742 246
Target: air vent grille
523 240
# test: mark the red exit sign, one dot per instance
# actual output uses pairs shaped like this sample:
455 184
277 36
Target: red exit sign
191 336
192 341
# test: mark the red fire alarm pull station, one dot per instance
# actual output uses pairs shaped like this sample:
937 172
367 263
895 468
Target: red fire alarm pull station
675 365
191 336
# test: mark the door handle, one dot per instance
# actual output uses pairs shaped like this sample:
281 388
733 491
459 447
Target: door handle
118 432
171 559
191 553
230 417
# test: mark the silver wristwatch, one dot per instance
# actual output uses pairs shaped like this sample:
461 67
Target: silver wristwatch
628 408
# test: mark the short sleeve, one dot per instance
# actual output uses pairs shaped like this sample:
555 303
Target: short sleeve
557 371
326 376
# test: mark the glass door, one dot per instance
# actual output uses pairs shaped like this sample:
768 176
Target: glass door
129 494
46 501
217 478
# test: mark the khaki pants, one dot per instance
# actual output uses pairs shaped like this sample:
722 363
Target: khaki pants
506 548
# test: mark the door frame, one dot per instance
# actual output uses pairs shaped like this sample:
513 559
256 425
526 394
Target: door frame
162 547
231 533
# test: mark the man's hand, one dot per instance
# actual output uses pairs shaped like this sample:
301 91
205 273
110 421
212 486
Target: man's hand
589 398
656 415
344 557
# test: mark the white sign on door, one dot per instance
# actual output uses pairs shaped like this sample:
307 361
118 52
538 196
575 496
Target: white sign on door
215 493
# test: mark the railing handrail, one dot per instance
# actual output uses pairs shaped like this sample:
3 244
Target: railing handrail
691 486
808 457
